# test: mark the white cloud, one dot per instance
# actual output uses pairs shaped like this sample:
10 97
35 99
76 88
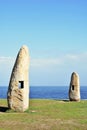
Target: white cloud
62 60
6 59
48 70
45 62
6 65
58 70
77 57
68 58
71 57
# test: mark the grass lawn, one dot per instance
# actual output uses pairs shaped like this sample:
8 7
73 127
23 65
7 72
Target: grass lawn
45 115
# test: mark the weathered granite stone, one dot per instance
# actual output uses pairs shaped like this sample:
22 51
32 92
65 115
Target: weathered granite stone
74 89
18 90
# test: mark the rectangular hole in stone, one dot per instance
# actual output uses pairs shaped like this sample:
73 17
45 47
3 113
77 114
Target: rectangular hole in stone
72 87
21 84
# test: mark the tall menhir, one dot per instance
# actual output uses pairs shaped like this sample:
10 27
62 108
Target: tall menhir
74 89
18 90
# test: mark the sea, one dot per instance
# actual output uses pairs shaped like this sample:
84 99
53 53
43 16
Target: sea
47 92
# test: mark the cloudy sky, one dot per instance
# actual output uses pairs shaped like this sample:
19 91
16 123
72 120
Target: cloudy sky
55 32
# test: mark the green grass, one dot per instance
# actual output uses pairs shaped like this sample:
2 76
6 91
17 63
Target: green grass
46 115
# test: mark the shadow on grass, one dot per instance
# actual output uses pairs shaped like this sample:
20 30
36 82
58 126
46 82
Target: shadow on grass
3 109
65 100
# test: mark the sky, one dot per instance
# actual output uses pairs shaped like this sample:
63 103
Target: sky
55 32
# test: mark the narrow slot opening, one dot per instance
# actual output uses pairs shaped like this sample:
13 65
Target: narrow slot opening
21 84
72 87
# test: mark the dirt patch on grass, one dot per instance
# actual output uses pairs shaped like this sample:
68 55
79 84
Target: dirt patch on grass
42 124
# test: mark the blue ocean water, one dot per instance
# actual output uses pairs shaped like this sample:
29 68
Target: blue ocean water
43 92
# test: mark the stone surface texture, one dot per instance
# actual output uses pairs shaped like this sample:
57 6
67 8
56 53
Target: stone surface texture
18 90
74 89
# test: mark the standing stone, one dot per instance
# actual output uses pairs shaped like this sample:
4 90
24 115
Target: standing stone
74 90
18 91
